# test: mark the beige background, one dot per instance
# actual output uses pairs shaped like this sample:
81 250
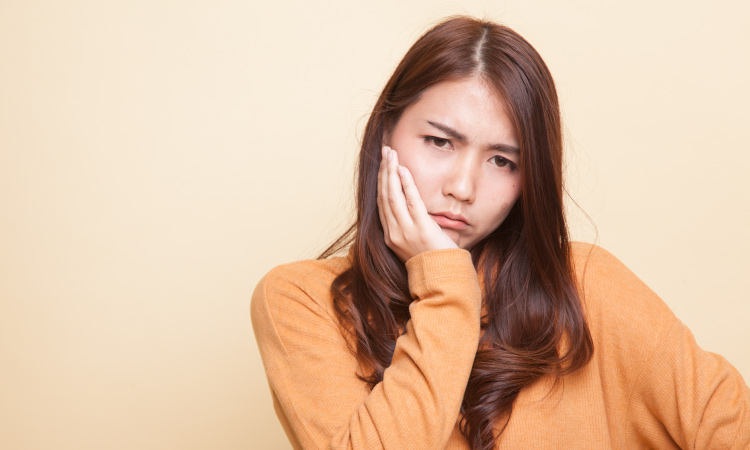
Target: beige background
158 157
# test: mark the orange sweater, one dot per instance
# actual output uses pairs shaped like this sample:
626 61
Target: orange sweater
648 385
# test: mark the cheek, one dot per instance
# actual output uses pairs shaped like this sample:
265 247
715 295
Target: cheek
423 170
509 188
515 189
502 199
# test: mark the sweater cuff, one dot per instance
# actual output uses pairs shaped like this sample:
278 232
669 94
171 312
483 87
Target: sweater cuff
434 265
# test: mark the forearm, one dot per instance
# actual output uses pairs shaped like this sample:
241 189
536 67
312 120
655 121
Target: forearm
418 401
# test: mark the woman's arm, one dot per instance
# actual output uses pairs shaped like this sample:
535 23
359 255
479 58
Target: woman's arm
312 373
695 396
662 389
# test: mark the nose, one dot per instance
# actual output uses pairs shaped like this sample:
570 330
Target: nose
460 181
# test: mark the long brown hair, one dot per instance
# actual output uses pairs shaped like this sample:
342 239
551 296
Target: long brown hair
534 324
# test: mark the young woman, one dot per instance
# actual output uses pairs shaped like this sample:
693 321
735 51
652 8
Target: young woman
462 317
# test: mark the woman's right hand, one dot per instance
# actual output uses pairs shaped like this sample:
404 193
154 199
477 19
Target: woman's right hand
409 230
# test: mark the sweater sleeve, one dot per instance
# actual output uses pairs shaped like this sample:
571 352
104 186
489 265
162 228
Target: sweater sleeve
695 396
312 373
672 393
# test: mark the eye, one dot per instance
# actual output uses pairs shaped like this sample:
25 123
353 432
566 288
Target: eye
499 161
441 143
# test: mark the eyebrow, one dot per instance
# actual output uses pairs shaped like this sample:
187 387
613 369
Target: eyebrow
462 138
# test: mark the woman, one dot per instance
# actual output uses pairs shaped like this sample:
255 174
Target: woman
462 317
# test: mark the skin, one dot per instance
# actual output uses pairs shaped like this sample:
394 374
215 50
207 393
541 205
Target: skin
453 151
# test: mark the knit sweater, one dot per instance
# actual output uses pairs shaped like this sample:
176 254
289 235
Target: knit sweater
648 385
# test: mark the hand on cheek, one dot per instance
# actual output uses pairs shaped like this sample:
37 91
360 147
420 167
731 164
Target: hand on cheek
408 228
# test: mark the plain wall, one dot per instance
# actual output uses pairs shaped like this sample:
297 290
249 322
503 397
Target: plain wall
158 157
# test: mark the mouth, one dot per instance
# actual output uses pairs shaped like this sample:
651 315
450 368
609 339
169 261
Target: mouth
449 220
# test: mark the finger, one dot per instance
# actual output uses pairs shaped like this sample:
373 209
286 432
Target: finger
414 202
383 207
396 196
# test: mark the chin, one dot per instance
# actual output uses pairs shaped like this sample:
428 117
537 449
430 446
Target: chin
459 240
467 247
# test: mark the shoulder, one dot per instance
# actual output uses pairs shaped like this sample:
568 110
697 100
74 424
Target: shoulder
310 276
310 280
627 320
601 275
615 299
595 263
293 302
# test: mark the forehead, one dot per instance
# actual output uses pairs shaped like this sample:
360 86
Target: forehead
468 105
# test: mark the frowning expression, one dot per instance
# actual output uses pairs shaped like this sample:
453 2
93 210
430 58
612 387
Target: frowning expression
459 144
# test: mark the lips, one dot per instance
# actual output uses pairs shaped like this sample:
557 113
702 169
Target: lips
449 220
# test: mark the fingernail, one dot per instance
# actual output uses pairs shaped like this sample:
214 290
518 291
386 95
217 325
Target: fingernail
390 155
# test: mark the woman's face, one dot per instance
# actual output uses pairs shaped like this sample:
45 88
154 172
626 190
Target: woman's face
458 142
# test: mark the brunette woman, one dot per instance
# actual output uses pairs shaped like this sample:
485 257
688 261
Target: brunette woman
462 317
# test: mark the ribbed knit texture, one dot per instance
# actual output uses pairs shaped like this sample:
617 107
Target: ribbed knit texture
648 386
